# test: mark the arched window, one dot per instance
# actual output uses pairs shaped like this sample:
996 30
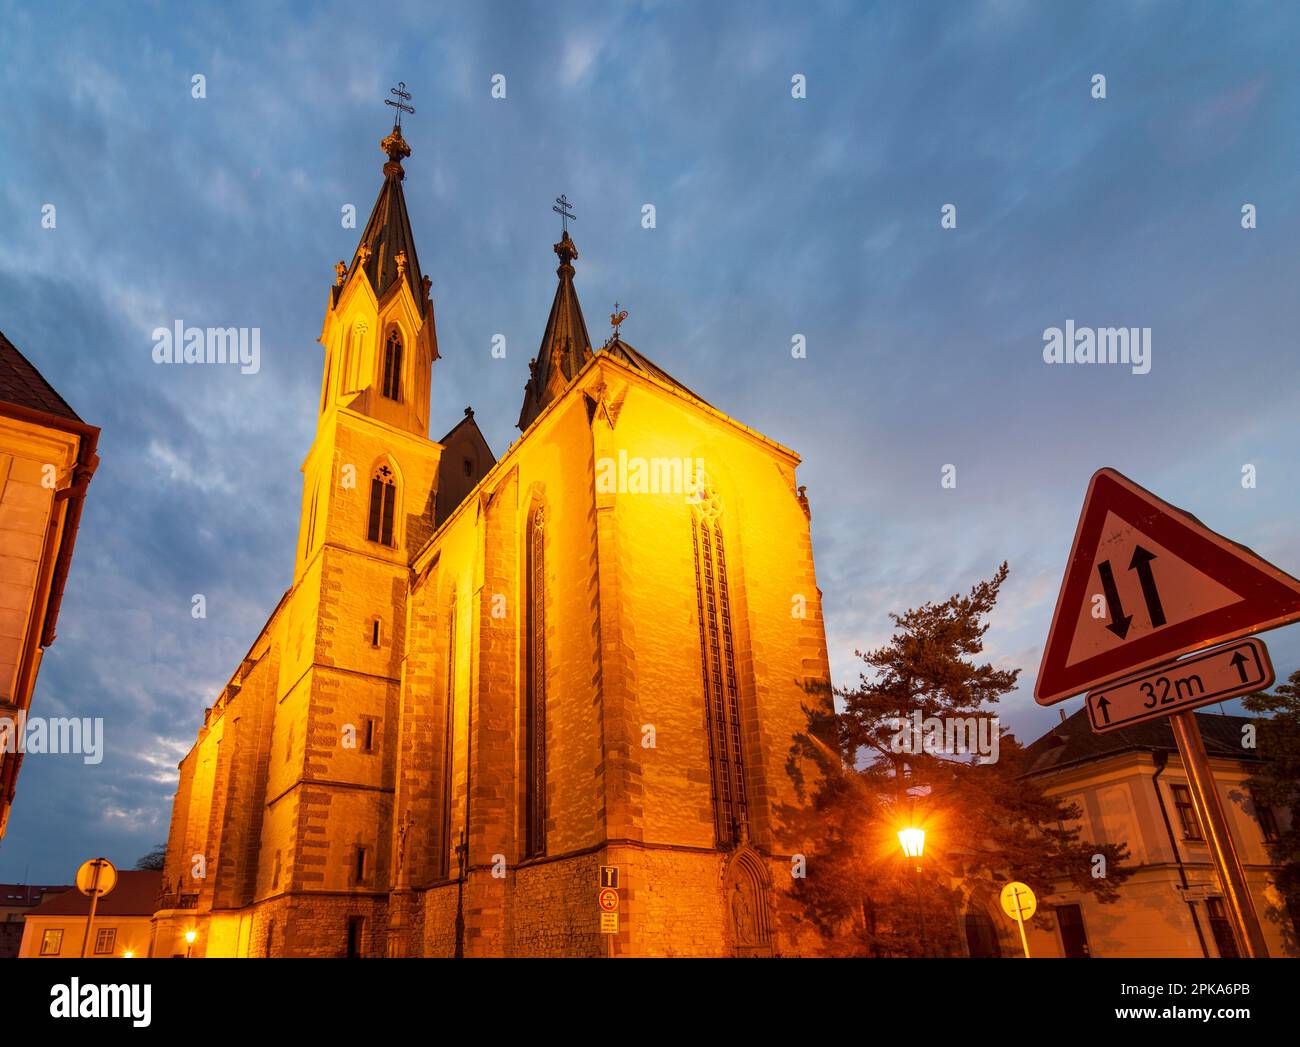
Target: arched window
392 386
718 659
448 742
383 500
535 685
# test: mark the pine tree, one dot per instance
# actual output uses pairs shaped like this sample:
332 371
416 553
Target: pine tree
985 823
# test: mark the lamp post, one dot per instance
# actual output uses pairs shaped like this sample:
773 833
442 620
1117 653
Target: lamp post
189 942
913 842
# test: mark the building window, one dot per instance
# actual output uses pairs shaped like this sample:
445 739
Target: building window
383 498
360 865
356 925
275 875
1186 813
1221 928
52 942
718 660
270 937
535 686
374 631
369 734
1267 821
105 939
393 366
469 467
448 740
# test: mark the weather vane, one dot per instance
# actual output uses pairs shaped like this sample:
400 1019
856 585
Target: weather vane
561 208
402 106
616 318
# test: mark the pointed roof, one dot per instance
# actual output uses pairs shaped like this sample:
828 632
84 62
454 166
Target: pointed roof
387 246
22 384
620 350
565 344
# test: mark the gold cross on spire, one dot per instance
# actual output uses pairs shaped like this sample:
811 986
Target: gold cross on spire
401 105
561 208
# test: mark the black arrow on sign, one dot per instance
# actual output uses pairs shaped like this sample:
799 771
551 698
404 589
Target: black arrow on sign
1103 704
1119 621
1240 660
1141 562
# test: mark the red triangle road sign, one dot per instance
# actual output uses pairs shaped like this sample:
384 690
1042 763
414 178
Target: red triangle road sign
1147 582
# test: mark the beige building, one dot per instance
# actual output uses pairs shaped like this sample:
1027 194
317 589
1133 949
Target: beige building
1131 788
491 677
47 457
56 929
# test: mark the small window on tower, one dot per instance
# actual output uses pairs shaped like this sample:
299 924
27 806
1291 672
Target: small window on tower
392 386
374 631
370 735
469 467
360 864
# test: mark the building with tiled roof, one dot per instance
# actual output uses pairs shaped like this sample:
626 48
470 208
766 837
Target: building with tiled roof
1131 788
47 457
57 927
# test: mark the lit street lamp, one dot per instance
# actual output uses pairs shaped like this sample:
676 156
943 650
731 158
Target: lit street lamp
189 942
913 841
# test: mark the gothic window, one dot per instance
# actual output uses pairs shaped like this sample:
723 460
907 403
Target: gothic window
448 738
393 366
325 389
383 497
535 685
718 661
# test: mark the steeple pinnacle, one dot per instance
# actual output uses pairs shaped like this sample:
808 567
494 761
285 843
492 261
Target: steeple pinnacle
565 344
386 251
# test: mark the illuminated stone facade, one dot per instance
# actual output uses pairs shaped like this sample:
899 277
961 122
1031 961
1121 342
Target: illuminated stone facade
492 677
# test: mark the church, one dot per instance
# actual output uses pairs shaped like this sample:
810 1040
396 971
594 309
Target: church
535 705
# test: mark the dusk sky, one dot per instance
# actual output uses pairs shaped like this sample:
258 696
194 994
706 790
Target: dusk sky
775 217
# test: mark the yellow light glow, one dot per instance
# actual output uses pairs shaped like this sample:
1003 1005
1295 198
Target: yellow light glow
128 954
913 841
190 936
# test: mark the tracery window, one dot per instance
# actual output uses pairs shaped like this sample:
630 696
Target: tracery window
448 740
718 660
383 500
392 386
535 686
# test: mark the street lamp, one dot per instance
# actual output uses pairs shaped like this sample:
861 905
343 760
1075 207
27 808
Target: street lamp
913 842
189 942
128 954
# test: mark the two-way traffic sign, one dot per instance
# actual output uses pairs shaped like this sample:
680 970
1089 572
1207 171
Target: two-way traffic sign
1211 676
1147 582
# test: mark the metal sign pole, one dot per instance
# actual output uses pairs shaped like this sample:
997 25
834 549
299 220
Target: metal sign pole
1205 797
94 901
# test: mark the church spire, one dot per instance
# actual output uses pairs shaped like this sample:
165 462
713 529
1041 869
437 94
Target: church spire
565 344
386 250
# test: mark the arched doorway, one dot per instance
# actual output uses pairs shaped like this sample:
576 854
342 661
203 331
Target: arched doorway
746 888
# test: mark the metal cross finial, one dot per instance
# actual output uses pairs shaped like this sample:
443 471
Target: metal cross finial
404 97
616 318
562 209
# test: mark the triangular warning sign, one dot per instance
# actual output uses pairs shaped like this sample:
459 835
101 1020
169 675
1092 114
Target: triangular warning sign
1147 582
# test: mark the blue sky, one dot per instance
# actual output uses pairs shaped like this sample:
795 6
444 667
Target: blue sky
775 217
